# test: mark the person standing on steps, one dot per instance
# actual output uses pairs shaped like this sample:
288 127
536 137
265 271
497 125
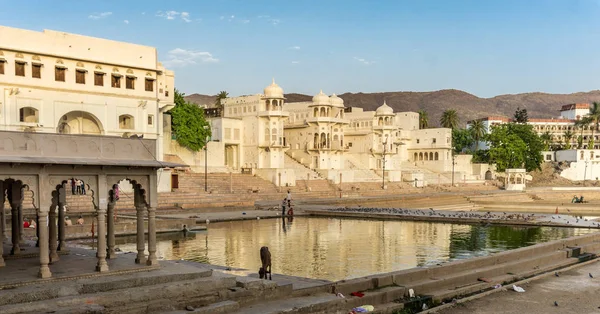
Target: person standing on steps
289 198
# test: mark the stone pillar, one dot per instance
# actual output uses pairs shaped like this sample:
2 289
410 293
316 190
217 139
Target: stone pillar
152 260
102 265
53 238
37 230
43 242
61 228
3 224
4 234
62 200
110 226
21 227
141 243
16 249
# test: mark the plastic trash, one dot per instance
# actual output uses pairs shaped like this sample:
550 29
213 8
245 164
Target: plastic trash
364 309
518 289
498 286
341 295
411 293
425 307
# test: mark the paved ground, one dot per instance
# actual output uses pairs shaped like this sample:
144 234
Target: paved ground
77 262
574 291
202 216
471 216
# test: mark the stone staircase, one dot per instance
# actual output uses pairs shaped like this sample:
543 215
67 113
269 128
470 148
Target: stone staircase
167 290
301 170
362 173
432 178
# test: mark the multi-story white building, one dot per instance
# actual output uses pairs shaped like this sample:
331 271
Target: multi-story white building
555 127
257 131
56 82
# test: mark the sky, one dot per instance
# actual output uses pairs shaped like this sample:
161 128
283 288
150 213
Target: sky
486 48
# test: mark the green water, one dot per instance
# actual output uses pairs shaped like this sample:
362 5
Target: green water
335 249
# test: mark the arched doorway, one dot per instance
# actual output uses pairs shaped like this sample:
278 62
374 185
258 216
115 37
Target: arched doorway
79 122
488 175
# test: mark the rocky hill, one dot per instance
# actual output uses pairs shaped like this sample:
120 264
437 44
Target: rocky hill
468 106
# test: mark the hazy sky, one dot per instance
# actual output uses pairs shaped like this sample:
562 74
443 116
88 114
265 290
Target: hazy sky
485 47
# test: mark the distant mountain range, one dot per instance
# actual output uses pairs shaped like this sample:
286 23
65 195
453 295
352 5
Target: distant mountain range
468 106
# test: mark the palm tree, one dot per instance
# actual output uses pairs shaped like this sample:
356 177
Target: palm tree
449 119
546 139
478 131
595 117
581 124
220 96
568 136
423 119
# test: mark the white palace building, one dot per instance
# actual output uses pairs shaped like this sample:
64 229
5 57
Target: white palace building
284 142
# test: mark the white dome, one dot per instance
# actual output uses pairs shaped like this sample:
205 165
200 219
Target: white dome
336 101
321 99
384 110
273 91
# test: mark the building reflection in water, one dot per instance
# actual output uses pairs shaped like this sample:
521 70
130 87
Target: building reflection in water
335 249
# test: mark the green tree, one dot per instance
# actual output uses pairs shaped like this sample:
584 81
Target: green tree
423 119
521 115
582 124
546 138
477 132
188 123
449 119
514 145
462 139
594 115
568 136
220 96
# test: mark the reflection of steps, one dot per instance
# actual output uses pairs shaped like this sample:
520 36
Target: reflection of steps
301 171
362 173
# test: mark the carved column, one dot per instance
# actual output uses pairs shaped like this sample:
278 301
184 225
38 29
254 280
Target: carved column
152 260
102 265
3 224
62 200
16 249
141 245
110 223
53 233
4 234
21 227
61 228
44 252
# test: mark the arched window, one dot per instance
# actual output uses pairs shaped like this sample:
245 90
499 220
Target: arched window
323 140
430 156
316 140
323 112
267 135
380 122
426 156
126 122
437 156
415 156
274 135
420 156
316 112
29 115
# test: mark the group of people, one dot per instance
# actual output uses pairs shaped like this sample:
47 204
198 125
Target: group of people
68 221
287 202
30 223
77 186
